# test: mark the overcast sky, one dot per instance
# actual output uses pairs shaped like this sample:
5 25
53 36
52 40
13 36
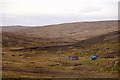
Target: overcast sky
46 12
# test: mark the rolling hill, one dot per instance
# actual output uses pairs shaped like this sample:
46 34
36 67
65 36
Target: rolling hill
67 31
40 52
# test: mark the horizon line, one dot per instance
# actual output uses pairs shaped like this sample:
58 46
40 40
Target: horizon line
59 23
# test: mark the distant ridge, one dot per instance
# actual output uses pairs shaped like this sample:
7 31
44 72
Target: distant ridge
68 31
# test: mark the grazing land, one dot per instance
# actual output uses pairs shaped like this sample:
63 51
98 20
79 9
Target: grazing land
42 52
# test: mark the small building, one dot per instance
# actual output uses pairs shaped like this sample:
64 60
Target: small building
73 57
94 57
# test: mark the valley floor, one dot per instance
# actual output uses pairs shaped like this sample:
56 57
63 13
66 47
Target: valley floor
44 64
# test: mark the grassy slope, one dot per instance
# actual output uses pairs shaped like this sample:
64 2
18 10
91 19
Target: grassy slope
68 31
49 63
42 57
